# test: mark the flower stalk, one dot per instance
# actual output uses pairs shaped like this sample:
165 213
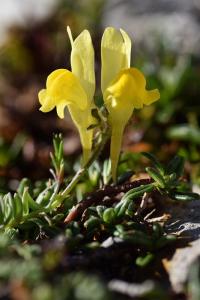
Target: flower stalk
96 152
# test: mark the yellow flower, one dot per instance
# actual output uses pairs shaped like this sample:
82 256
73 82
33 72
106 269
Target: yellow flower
123 88
74 89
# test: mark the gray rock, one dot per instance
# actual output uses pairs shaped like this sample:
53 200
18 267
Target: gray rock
181 263
131 289
175 23
185 219
110 242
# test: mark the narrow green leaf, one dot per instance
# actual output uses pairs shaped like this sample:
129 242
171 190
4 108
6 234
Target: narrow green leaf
12 205
125 177
138 191
25 182
100 210
155 161
18 207
92 223
44 197
176 165
56 143
143 261
25 203
1 212
165 240
123 205
156 176
60 152
106 172
8 208
32 204
157 231
54 162
109 215
139 238
184 196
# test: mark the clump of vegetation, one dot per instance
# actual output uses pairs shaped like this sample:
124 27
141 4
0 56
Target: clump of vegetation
46 231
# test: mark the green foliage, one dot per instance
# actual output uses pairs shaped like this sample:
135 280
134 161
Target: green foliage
168 179
29 265
184 132
36 211
39 204
57 157
32 204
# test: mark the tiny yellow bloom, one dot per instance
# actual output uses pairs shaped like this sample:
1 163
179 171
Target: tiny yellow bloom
74 89
123 88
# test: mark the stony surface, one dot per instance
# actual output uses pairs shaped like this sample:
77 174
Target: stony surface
131 289
185 221
180 265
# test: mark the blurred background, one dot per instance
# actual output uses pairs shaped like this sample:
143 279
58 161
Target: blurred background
33 43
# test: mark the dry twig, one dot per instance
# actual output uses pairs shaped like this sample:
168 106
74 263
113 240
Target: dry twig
96 197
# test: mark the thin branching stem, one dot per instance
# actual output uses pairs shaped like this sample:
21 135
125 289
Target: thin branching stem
83 170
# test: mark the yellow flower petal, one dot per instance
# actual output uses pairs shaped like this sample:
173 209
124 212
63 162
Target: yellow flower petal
126 92
86 137
53 76
118 118
151 96
82 61
82 120
127 46
46 101
60 108
82 65
63 88
115 54
129 87
67 87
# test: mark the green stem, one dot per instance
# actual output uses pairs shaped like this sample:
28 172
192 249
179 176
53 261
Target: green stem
82 171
